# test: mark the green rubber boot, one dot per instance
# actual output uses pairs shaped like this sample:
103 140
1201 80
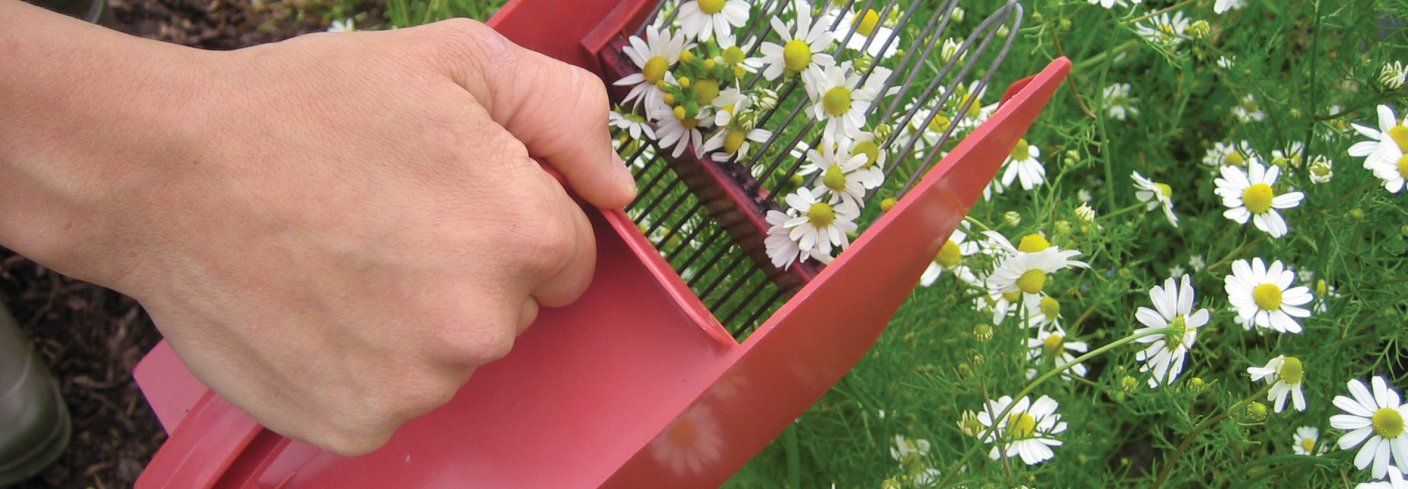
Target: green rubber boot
34 422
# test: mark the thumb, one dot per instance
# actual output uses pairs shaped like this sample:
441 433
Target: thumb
557 110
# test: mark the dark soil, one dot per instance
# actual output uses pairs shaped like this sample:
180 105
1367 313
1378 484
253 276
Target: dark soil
92 337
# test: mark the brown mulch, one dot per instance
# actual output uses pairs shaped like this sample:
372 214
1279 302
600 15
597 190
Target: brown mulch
91 337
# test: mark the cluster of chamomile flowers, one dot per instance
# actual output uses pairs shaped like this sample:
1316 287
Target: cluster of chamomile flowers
700 87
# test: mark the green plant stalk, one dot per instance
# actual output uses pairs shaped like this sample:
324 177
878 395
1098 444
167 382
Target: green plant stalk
1188 439
1033 385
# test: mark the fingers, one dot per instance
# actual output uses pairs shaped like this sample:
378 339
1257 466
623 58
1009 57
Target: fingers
557 110
567 249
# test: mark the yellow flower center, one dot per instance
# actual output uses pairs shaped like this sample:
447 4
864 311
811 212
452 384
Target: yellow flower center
821 215
710 64
940 123
836 101
1321 287
796 55
1022 151
1388 423
887 204
1176 330
1399 135
733 55
867 21
1050 307
1235 158
1292 372
705 90
1051 346
834 178
1267 297
685 82
686 56
1021 425
655 68
1258 198
1164 190
1012 296
949 255
711 7
870 150
1307 444
975 109
1032 281
670 99
1033 243
734 140
1403 166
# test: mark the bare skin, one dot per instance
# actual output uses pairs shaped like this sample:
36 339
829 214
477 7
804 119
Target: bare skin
333 231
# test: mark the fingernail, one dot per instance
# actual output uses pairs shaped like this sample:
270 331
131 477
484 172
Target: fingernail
628 182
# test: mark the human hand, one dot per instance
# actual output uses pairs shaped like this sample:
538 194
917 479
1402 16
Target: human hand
358 225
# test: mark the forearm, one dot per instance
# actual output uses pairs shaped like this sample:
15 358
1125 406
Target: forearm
82 109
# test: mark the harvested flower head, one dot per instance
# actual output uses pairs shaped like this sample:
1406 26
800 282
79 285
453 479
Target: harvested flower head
706 19
802 48
654 56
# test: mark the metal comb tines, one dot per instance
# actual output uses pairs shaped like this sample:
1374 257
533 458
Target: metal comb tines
706 218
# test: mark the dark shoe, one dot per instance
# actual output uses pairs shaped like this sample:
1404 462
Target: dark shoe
34 423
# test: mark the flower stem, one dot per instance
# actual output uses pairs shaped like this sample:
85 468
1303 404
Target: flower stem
1033 385
1188 439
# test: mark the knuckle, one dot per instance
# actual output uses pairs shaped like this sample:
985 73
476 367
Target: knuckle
481 343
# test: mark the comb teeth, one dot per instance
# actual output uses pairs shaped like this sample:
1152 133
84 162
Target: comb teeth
708 219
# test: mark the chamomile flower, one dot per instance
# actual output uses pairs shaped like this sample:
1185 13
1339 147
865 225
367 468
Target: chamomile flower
1374 420
839 100
1251 195
950 258
1393 75
1231 154
843 173
781 248
1225 5
820 225
1054 349
1112 3
633 125
1027 272
908 448
1118 102
1173 312
801 49
1023 166
678 130
654 56
1386 153
1394 480
1306 442
1285 375
928 124
1290 157
344 25
706 19
1248 110
1263 296
1027 431
732 143
1322 169
871 36
1154 195
1165 30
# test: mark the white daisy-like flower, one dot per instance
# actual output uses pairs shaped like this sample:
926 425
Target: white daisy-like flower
1000 305
733 143
1375 420
977 113
950 258
678 130
1386 152
1053 348
1248 110
1044 314
1226 62
1163 29
1225 5
1264 298
1393 75
843 172
1118 102
839 100
1154 195
1324 292
1112 3
1085 212
344 25
1232 154
781 248
801 49
1027 272
1251 195
1322 169
870 35
1027 431
1306 442
908 448
654 56
1285 375
820 225
1173 311
1022 165
928 130
635 126
1393 481
1288 157
706 19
